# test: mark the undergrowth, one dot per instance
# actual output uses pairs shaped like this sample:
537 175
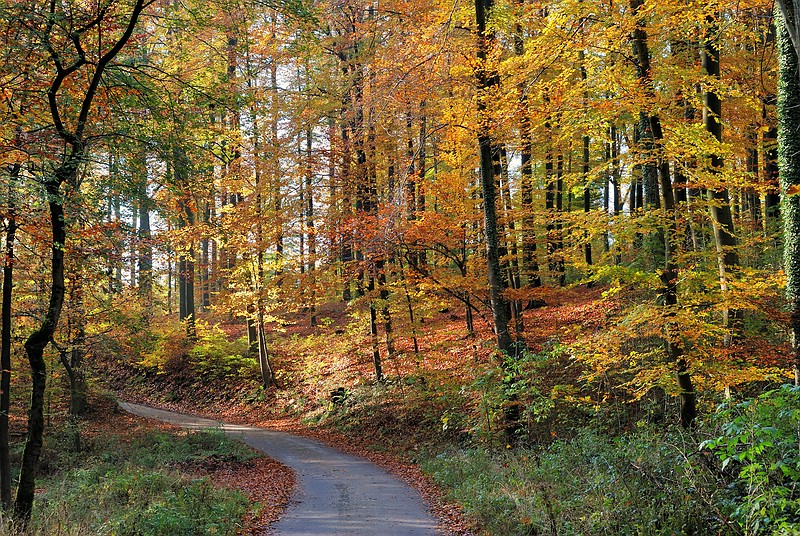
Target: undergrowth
122 486
636 484
743 479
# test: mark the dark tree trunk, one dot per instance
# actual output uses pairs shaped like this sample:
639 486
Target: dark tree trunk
73 360
724 233
587 191
205 260
530 265
485 82
310 228
41 337
385 313
186 262
373 330
509 243
145 246
651 133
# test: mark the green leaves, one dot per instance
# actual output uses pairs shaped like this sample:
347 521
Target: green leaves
761 447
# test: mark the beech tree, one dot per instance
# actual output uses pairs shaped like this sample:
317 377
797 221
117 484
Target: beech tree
487 83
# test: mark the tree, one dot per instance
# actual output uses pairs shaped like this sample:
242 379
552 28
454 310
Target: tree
486 84
78 64
5 339
789 163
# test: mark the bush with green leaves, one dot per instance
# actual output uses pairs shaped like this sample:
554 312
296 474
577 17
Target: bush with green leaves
760 447
216 357
522 381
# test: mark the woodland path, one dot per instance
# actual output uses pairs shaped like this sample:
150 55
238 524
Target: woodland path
335 493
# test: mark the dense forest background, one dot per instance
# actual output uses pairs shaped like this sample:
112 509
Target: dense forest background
513 219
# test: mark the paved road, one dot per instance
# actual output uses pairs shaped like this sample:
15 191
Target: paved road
335 494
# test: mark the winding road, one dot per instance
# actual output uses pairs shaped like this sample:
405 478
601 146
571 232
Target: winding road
335 493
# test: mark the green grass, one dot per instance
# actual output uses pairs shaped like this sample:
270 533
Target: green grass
135 487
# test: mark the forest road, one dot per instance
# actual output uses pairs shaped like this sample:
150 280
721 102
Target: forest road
335 493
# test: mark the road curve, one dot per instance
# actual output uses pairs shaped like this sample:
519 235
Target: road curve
335 493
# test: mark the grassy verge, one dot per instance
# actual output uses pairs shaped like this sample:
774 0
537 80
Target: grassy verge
136 484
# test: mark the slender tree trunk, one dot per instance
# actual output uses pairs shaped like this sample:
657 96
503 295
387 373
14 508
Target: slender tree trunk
559 225
205 260
422 170
311 228
721 217
373 329
508 242
385 313
410 306
530 266
133 246
651 134
145 247
485 83
587 190
267 373
41 337
73 360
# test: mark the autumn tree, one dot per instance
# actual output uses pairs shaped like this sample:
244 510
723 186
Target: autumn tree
78 62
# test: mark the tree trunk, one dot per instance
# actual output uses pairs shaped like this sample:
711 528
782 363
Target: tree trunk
721 217
145 246
5 341
789 165
73 360
40 338
310 228
385 313
373 330
587 191
205 260
530 265
186 262
267 373
495 278
651 132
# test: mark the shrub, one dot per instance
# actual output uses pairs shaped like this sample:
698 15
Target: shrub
215 357
760 446
169 351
